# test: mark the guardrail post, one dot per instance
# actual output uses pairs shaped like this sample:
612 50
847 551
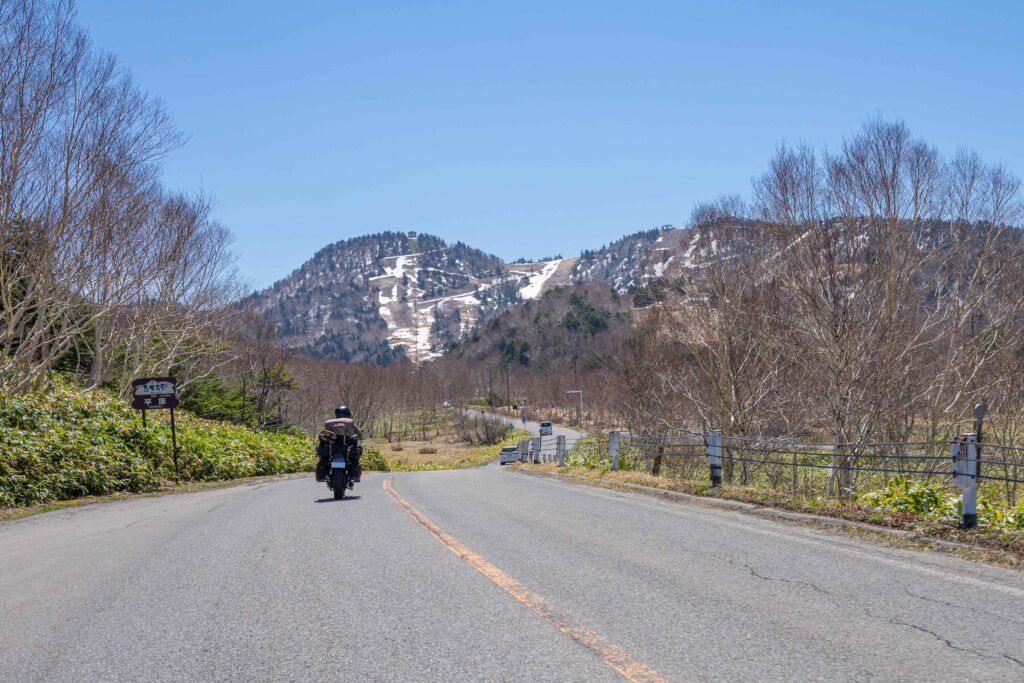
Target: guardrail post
613 449
965 471
560 450
535 450
715 458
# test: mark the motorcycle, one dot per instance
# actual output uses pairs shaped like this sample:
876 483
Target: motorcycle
339 480
339 466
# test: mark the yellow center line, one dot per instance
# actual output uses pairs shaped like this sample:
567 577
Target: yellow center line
610 654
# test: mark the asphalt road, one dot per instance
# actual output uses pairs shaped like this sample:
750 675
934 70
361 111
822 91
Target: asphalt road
549 442
552 582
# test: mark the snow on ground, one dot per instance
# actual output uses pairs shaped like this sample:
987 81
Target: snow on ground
423 339
537 279
466 297
417 338
659 268
690 251
403 335
443 272
400 263
397 272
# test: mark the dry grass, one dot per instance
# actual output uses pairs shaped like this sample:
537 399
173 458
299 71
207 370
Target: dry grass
440 452
443 452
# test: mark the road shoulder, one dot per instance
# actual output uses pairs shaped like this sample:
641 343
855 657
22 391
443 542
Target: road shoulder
14 514
909 539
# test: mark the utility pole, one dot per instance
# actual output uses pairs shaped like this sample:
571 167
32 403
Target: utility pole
580 392
508 388
980 410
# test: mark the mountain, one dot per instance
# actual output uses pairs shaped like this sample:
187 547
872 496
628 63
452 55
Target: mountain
381 296
378 297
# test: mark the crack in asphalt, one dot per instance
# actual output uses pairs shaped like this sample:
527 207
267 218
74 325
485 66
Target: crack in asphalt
963 608
795 582
1016 661
942 639
889 620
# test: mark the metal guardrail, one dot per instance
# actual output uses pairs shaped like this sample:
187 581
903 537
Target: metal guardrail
804 467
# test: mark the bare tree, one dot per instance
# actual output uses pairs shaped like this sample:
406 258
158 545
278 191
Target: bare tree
872 293
79 148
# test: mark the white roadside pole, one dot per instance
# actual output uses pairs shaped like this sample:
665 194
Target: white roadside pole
965 477
560 449
535 449
613 449
715 458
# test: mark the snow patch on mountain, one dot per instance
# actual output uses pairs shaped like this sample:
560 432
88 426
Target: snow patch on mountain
659 268
537 279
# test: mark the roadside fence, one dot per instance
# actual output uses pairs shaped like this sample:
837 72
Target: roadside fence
805 468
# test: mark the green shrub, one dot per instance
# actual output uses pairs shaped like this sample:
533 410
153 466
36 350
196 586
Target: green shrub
66 445
590 452
902 495
372 460
933 501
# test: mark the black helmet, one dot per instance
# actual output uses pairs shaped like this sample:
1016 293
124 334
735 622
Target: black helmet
343 411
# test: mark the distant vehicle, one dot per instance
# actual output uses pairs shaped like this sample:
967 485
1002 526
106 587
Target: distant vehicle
545 429
446 405
508 454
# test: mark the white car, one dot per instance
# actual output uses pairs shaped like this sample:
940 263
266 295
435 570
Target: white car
508 454
545 429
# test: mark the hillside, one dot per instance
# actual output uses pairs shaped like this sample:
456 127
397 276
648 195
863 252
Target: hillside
637 259
571 326
377 297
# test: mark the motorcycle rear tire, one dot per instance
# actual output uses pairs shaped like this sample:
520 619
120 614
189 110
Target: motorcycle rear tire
338 483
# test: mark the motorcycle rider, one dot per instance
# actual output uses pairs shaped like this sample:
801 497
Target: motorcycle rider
344 425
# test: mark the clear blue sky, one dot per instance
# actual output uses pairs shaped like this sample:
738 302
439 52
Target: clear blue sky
529 128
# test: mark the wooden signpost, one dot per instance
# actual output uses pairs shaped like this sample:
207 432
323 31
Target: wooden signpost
158 393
